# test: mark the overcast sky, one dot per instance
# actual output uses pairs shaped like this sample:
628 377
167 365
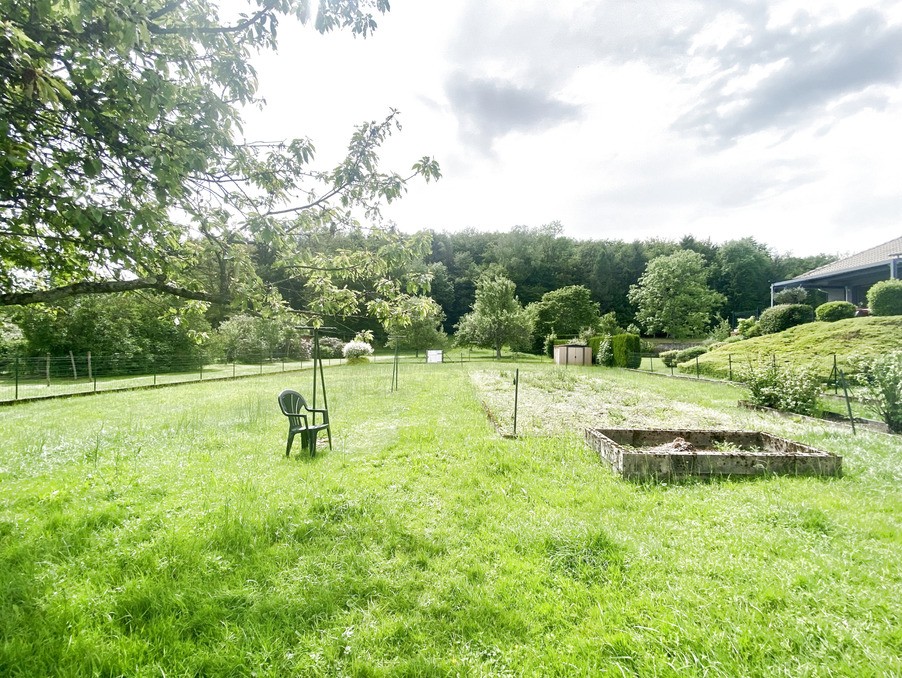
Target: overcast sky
625 119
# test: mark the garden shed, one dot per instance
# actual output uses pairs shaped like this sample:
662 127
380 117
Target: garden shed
572 354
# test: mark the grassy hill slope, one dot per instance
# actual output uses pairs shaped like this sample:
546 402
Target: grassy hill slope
812 346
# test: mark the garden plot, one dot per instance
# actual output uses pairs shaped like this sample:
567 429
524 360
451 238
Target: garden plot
556 401
640 454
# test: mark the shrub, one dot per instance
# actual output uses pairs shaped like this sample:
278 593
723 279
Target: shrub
792 295
330 347
690 353
721 331
608 326
882 381
594 342
602 351
885 298
357 352
783 388
549 344
778 318
835 310
626 349
748 328
669 358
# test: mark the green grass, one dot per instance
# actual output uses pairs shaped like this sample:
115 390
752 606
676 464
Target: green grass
163 532
812 346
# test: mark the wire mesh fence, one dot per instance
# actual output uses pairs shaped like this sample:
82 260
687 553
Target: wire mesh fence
26 378
33 377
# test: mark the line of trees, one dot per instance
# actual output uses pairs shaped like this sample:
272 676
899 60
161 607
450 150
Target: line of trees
541 260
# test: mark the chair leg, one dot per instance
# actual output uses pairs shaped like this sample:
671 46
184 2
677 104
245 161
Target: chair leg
288 447
329 433
312 435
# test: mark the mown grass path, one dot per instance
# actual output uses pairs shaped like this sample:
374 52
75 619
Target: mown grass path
163 532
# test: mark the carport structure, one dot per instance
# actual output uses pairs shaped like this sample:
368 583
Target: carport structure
850 278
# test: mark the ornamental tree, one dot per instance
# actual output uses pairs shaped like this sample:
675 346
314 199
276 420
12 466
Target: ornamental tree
497 317
122 165
673 296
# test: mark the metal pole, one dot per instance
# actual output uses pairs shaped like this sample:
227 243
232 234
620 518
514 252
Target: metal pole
835 374
848 402
16 396
316 358
730 362
516 396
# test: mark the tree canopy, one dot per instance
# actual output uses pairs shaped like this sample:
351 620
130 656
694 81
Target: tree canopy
673 296
497 317
564 312
122 165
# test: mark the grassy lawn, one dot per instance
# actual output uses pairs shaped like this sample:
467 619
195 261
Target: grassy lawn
812 346
163 532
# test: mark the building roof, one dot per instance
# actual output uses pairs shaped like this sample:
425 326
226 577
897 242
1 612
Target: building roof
876 256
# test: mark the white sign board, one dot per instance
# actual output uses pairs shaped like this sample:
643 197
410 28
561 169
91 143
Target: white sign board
433 356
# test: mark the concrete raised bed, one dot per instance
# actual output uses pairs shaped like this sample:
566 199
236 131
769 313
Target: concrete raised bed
639 454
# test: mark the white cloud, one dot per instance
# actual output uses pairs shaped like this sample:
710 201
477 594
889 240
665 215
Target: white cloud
621 120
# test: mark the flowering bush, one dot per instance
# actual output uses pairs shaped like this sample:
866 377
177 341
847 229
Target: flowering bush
881 378
783 388
357 351
330 347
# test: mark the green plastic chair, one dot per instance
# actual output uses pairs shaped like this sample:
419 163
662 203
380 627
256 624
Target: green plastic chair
302 419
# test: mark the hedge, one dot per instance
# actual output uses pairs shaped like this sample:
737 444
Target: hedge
627 350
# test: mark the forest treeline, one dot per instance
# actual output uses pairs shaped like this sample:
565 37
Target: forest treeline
537 259
542 259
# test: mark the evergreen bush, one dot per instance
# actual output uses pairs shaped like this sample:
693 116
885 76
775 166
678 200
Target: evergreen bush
782 317
885 298
835 310
627 350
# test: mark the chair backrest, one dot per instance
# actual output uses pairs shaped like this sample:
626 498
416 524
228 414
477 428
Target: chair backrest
291 403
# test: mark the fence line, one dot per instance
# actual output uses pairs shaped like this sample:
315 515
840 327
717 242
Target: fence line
36 377
29 378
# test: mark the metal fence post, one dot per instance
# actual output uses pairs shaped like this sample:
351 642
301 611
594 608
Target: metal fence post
730 362
516 397
16 396
201 370
697 373
845 390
